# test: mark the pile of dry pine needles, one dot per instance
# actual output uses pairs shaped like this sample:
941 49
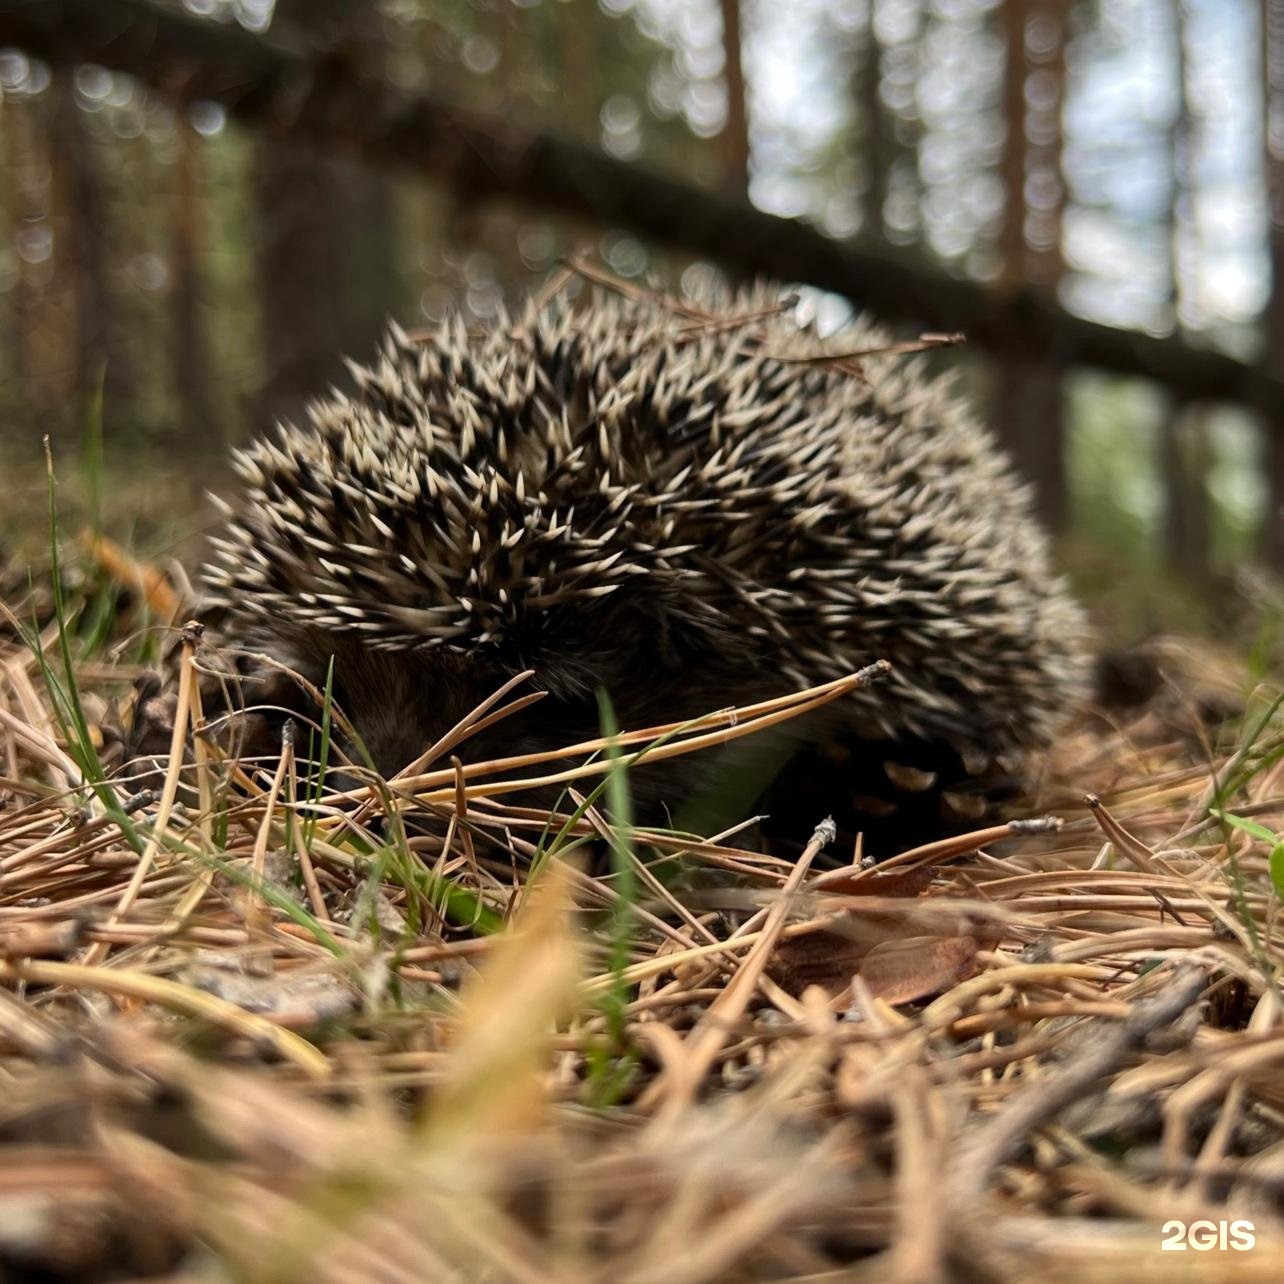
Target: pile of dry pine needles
256 1028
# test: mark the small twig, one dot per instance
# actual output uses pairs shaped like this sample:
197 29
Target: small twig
304 857
998 1138
937 853
178 740
170 994
924 343
461 813
733 729
704 1044
1126 844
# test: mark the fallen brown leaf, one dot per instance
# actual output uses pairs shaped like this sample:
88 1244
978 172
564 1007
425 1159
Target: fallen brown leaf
902 971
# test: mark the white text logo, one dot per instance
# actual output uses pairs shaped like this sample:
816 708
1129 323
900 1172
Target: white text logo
1205 1235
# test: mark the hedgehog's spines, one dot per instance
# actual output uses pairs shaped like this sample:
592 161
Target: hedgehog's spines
496 493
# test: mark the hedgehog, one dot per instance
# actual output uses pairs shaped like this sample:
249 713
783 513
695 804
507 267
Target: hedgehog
686 509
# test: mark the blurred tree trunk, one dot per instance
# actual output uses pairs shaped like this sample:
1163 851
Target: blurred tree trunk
735 133
1185 458
14 132
514 36
326 232
49 341
1272 17
82 241
900 64
501 233
1181 206
1046 36
1014 15
1030 398
369 226
1184 446
10 324
575 31
300 265
191 349
867 74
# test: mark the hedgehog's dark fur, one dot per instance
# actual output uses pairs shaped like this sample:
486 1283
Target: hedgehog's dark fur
689 516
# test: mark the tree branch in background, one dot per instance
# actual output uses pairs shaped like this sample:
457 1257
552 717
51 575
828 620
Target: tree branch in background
266 85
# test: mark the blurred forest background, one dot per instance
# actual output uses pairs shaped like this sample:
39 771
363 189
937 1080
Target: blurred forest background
203 205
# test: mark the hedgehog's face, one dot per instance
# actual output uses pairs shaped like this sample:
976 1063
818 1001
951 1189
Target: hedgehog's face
398 702
401 702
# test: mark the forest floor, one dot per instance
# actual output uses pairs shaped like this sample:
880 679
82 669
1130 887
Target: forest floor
256 1026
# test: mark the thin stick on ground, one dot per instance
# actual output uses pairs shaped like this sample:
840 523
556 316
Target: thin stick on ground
704 1044
178 741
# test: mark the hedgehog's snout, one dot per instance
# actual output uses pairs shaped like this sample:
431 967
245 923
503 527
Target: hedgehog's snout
389 738
395 715
400 704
